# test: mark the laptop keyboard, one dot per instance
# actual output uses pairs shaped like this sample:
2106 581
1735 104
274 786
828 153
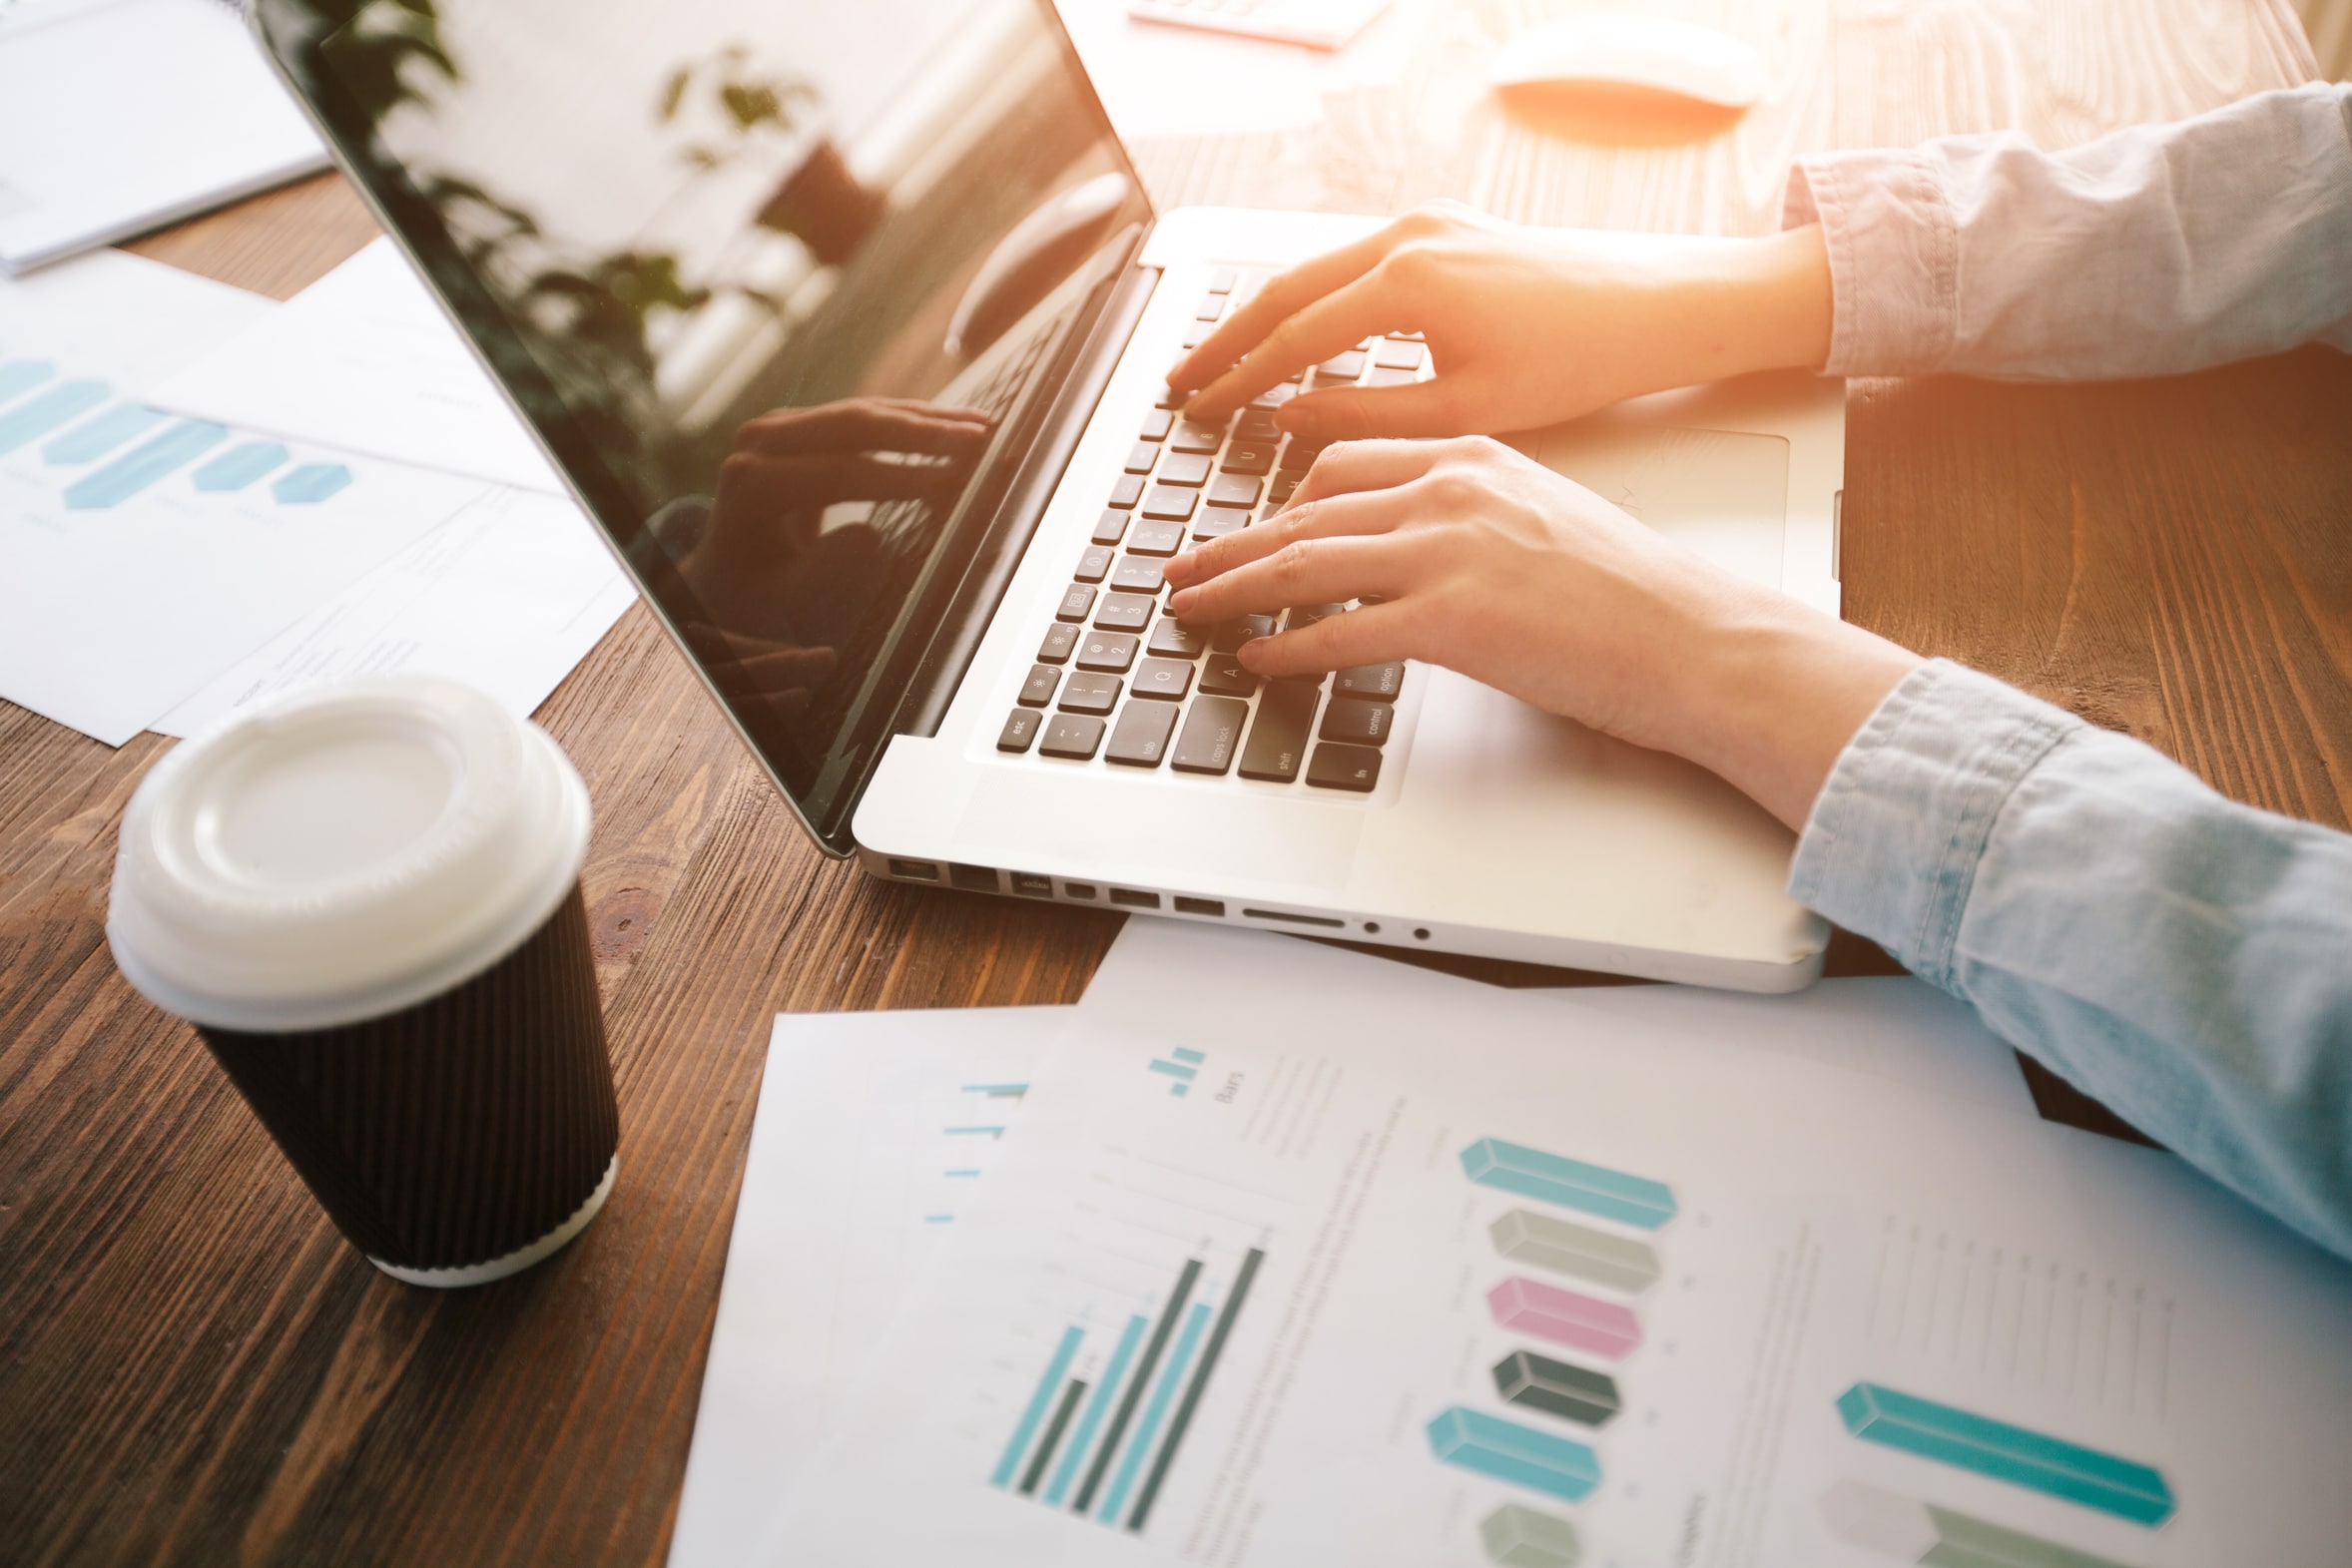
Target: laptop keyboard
1118 681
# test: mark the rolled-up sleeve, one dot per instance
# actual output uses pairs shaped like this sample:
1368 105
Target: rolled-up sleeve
2156 250
2185 960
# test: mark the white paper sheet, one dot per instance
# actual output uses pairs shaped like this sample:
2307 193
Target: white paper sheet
365 359
507 596
874 1130
1157 80
120 115
1797 1250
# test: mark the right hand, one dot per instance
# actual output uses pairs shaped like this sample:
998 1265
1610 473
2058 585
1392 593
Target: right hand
1526 326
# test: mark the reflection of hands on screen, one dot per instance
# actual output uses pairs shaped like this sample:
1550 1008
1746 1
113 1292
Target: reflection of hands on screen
758 677
766 568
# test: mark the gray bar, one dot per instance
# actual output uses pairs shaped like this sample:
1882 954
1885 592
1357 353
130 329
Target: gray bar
1135 1387
1578 1250
1061 1421
1200 1381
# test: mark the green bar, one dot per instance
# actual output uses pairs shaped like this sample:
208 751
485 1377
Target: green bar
1517 1536
1618 1262
1574 1394
2052 1467
1964 1541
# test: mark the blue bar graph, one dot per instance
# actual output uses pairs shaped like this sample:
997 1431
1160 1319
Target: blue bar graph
1555 1465
86 443
133 472
1047 1388
1592 1189
40 415
22 375
1173 1070
239 466
1106 1389
1195 1322
2035 1460
311 482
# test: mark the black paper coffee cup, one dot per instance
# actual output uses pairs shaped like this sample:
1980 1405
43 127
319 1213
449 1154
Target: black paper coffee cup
366 898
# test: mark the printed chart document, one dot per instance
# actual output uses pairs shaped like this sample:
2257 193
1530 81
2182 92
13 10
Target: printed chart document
1329 1263
121 115
874 1132
365 359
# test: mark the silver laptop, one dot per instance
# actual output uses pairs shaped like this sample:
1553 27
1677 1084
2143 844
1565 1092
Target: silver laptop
848 323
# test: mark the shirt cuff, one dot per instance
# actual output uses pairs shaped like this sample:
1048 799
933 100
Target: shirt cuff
1894 258
1892 847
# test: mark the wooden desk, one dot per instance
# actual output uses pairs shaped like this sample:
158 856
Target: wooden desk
194 1367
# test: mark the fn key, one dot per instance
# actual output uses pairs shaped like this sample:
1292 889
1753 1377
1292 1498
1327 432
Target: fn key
1356 767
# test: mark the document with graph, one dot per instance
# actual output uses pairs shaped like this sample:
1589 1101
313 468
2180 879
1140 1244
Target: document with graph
1331 1261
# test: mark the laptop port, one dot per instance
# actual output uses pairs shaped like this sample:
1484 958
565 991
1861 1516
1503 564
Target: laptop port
1078 889
1296 919
1129 898
972 879
1200 907
916 870
1030 886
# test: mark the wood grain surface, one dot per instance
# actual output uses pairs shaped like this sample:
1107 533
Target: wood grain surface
195 1369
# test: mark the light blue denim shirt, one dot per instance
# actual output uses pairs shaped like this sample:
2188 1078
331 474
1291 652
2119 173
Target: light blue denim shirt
2185 960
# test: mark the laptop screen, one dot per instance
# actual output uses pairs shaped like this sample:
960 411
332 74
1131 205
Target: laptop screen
785 284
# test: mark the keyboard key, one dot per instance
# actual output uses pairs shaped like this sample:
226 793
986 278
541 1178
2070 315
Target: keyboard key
1275 396
1141 456
1211 734
1089 693
1109 526
1193 436
1094 563
1190 468
1171 501
1020 728
1127 492
1156 425
1141 739
1357 722
1169 677
1248 457
1156 536
1037 690
1393 355
1356 767
1112 651
1197 334
1215 522
1172 639
1228 636
1409 338
1383 377
1169 398
1210 307
1136 574
1277 741
1369 680
1342 367
1299 456
1124 612
1074 736
1233 490
1306 615
1257 426
1075 602
1223 676
1220 280
1059 640
1281 487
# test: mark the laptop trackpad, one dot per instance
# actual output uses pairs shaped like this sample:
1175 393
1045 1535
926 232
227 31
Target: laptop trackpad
1722 493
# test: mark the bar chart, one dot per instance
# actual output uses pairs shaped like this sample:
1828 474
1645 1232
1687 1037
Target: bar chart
1180 1067
1104 1446
2037 1461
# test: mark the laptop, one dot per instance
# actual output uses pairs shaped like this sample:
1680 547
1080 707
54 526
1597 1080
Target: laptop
848 325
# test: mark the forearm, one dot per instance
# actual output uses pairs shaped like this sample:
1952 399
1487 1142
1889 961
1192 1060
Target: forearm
2183 958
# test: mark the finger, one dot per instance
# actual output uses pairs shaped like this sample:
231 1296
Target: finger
1329 326
1310 570
1355 413
1344 515
1285 294
1352 467
1374 634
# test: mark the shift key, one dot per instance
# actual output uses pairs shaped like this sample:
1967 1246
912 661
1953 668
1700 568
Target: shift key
1277 741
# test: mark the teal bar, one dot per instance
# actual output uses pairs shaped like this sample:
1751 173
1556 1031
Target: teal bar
86 443
57 406
1172 1070
1592 1189
1545 1462
239 466
1106 1389
2035 1460
1047 1388
22 375
1157 1411
133 472
976 1132
1185 1053
311 482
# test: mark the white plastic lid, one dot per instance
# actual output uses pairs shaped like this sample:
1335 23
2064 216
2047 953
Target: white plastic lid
340 853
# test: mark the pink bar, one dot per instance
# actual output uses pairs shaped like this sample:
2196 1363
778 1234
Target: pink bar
1565 1318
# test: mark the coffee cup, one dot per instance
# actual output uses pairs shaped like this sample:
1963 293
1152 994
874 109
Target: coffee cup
366 896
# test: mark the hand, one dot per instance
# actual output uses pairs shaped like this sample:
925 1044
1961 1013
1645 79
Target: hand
1490 564
1526 326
